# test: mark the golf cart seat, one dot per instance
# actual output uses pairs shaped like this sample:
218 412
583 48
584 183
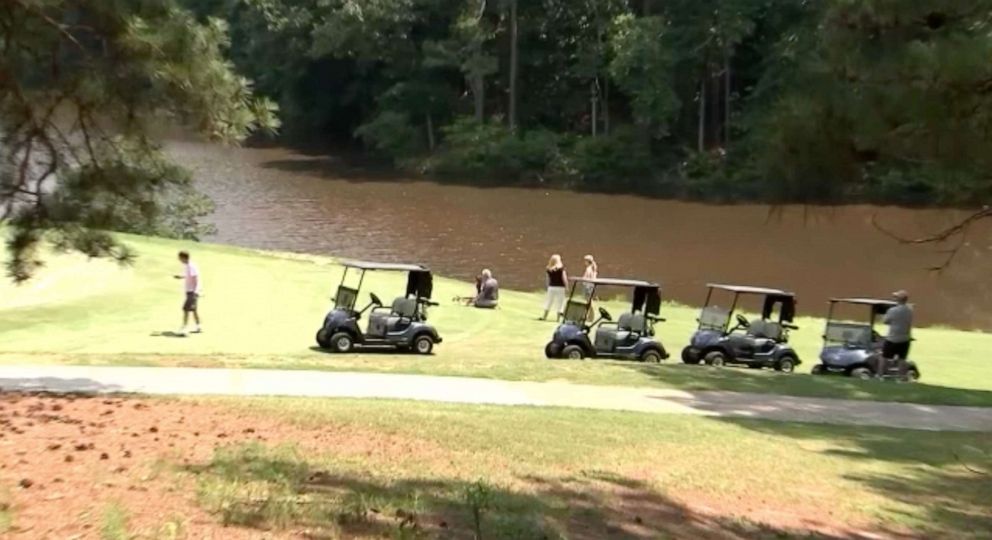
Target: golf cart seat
761 329
381 321
634 323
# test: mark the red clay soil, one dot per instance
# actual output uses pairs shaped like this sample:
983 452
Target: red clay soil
64 460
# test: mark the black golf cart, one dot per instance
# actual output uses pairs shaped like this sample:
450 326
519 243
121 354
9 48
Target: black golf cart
401 326
760 343
855 348
631 337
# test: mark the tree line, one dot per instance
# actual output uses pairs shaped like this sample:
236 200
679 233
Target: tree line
782 100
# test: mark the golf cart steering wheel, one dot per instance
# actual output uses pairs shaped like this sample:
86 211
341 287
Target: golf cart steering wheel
742 320
375 299
605 314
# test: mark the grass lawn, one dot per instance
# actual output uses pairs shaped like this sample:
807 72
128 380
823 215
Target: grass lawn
262 310
585 474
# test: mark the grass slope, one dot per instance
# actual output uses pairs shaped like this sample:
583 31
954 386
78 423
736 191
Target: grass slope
262 310
595 474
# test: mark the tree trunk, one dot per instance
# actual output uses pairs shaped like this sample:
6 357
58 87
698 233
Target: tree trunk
478 86
726 98
701 143
594 100
606 106
430 132
514 61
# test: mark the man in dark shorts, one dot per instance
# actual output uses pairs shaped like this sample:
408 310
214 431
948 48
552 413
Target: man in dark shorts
191 288
896 346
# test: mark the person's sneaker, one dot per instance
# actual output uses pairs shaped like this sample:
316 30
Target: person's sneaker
197 330
182 332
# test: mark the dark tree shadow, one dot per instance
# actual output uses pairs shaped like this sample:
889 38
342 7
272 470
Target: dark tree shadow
326 503
699 378
947 480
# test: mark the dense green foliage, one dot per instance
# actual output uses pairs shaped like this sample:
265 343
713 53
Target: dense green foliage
84 87
875 100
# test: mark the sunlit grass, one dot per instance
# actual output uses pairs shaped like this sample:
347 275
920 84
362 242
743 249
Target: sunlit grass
262 310
425 459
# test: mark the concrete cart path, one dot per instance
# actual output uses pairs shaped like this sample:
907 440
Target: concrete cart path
253 382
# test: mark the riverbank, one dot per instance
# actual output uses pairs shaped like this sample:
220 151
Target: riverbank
262 309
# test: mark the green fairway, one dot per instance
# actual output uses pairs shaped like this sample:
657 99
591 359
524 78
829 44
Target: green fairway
262 310
586 474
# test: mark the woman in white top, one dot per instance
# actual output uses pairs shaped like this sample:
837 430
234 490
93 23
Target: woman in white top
557 283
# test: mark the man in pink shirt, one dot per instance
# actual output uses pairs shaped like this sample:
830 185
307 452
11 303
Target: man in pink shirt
191 286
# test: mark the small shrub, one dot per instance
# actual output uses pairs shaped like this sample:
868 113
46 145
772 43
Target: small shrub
392 135
490 150
620 161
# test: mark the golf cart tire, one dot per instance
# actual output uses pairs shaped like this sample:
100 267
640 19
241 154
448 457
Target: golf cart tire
322 339
715 359
818 370
914 374
342 342
651 356
689 358
423 344
862 373
551 350
573 352
786 363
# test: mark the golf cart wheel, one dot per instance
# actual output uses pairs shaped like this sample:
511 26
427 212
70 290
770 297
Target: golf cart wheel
862 373
423 344
786 363
716 359
651 356
573 352
818 370
342 342
914 374
551 350
322 339
688 357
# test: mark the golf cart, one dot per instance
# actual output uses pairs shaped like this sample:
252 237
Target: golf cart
402 326
855 348
631 337
760 343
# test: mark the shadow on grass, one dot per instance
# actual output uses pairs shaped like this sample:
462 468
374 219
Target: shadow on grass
262 488
686 377
947 487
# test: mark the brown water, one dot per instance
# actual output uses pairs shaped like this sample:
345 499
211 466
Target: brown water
275 198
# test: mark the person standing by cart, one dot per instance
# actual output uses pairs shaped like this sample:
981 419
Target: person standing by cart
591 272
557 284
899 318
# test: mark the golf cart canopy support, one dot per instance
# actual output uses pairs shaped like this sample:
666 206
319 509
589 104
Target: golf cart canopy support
419 283
647 295
772 297
878 307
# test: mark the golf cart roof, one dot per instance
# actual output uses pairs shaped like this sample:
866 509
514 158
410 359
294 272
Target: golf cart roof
396 267
863 301
617 282
743 289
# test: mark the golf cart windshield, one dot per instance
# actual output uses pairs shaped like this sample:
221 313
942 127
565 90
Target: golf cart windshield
345 298
714 318
575 311
850 334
